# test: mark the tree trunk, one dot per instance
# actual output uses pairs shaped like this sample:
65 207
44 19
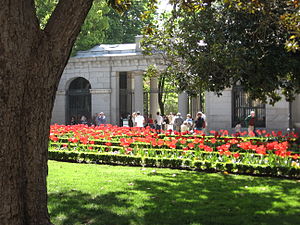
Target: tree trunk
31 64
161 88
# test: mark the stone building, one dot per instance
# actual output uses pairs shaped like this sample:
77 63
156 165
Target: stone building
109 79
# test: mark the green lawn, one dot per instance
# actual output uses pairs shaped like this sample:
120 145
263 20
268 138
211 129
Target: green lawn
99 194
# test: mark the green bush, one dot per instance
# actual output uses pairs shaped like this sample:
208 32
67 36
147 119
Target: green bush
200 165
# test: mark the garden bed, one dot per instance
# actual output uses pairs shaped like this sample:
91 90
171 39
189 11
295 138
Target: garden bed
271 155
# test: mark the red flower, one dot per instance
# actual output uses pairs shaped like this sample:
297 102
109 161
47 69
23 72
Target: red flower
236 155
108 144
191 145
213 140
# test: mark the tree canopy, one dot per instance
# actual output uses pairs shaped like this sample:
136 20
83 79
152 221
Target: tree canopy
213 45
123 27
103 24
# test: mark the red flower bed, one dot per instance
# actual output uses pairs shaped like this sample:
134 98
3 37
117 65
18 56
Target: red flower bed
270 149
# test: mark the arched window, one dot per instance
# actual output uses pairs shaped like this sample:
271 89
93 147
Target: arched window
79 100
242 105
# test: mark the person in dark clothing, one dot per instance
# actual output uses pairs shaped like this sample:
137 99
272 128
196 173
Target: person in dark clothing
73 121
199 122
130 121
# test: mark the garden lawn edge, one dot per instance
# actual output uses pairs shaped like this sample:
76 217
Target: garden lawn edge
173 163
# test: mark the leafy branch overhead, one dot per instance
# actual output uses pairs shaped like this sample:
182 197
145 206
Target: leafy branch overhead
213 45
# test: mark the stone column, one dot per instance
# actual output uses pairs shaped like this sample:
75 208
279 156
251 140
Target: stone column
195 105
295 107
138 91
154 107
100 102
114 98
183 104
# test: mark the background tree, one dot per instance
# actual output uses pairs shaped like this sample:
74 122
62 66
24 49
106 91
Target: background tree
167 91
124 27
93 30
103 24
214 46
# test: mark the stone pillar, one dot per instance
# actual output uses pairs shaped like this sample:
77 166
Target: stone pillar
183 104
114 98
296 114
138 92
218 110
100 102
195 105
277 116
154 107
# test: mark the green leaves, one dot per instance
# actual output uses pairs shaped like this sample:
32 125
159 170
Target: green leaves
230 42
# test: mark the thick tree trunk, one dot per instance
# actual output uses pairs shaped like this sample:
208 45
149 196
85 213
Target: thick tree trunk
31 64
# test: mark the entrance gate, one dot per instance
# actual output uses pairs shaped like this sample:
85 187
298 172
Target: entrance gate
79 100
243 105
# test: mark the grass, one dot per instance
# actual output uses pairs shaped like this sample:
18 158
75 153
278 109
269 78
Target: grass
114 195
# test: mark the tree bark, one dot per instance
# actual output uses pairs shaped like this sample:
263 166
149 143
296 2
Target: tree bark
161 88
31 64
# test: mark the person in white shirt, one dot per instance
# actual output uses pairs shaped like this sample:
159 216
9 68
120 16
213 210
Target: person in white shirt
159 121
185 127
139 120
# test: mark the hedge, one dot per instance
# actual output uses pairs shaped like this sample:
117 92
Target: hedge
176 163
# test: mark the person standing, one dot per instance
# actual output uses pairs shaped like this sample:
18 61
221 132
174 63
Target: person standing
133 118
159 121
199 122
178 122
83 120
150 122
250 123
139 120
101 119
185 127
189 121
130 121
170 125
73 121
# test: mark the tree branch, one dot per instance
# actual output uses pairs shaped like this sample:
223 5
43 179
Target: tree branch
65 22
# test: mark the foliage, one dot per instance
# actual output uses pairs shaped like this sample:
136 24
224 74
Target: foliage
101 194
218 45
102 25
92 31
123 27
167 96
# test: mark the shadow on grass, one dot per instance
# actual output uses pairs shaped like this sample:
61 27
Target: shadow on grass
199 198
75 207
187 198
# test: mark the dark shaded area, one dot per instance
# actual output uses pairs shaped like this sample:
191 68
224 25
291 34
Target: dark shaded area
83 208
186 198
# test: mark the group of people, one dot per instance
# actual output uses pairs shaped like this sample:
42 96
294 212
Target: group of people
169 122
97 120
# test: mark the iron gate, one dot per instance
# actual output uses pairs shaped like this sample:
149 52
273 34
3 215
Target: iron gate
243 105
79 100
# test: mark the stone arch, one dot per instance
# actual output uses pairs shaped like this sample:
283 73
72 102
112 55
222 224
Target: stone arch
78 102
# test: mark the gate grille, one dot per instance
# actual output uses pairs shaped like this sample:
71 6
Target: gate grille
243 105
